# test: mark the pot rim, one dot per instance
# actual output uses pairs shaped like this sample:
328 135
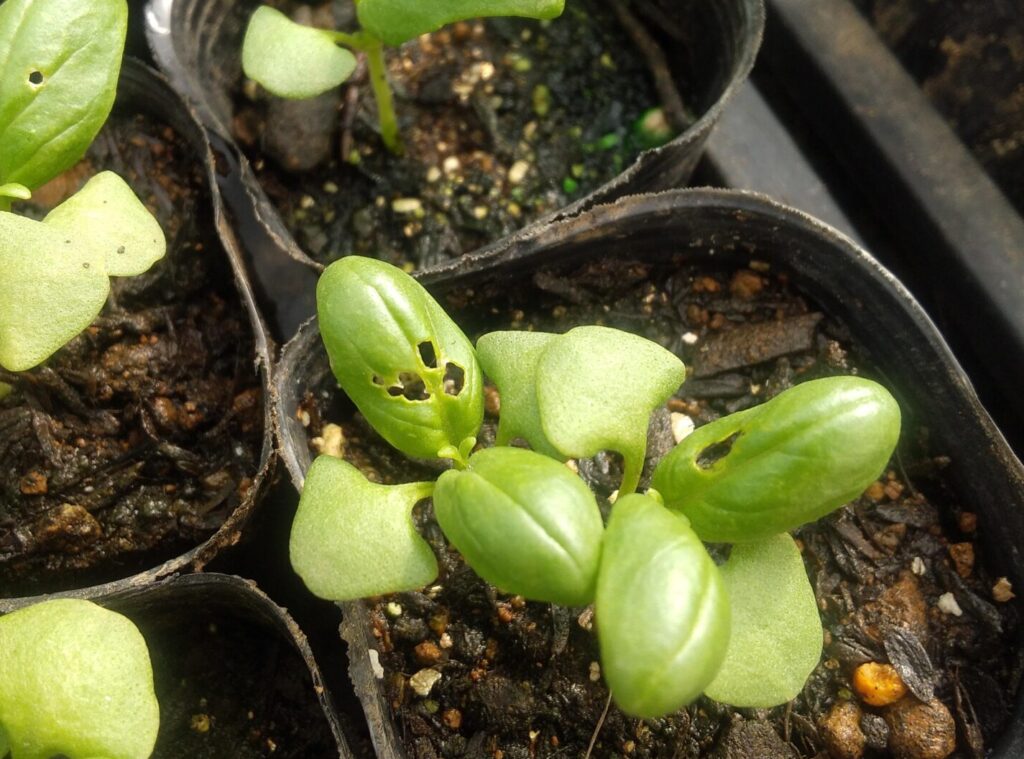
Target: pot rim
151 89
159 33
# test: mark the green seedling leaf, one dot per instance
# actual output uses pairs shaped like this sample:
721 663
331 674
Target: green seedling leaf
15 191
292 60
525 523
75 680
397 21
409 369
776 632
661 610
50 290
596 389
777 466
59 64
107 218
510 359
352 538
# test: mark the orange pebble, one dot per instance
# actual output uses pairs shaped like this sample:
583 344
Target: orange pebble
878 684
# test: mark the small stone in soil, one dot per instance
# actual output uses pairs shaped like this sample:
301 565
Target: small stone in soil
749 739
920 730
842 732
947 605
1002 591
424 681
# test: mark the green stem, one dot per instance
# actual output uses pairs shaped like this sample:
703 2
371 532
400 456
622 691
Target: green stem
382 94
634 466
353 41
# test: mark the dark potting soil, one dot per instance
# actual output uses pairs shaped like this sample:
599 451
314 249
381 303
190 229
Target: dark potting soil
134 442
504 121
522 679
229 687
968 56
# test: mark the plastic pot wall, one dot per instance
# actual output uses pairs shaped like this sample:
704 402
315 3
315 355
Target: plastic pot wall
197 43
142 90
720 227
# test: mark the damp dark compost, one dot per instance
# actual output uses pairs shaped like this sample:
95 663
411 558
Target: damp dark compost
899 573
136 441
504 121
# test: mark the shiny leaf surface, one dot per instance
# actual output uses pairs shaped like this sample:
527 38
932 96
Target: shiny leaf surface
661 609
777 466
525 523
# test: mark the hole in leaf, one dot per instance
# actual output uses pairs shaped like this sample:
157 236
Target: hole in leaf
454 378
35 78
120 250
378 380
716 452
410 386
428 355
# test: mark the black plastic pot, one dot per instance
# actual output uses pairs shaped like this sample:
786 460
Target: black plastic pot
228 659
143 91
669 230
197 44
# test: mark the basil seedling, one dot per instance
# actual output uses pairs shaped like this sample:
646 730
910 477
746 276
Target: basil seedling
75 680
59 63
295 61
670 624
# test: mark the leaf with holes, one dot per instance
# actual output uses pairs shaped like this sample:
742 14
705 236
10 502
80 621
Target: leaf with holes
596 389
59 64
792 460
108 218
76 681
776 635
405 364
661 610
292 60
525 523
50 290
510 359
397 21
352 538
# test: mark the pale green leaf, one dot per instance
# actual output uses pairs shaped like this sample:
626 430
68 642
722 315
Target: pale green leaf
596 389
75 679
510 359
396 21
774 467
59 64
107 218
661 610
50 290
352 538
15 191
407 366
525 523
776 632
292 60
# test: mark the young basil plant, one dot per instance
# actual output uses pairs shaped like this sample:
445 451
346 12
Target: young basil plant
75 680
295 61
405 364
670 624
59 63
774 467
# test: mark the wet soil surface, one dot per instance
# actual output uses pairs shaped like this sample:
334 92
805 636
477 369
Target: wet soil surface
898 575
968 56
136 441
229 687
504 121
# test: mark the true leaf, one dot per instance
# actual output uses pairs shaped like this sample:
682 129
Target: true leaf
510 359
292 60
50 290
596 389
396 21
777 466
525 523
661 610
59 64
352 538
75 680
396 353
776 632
106 217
